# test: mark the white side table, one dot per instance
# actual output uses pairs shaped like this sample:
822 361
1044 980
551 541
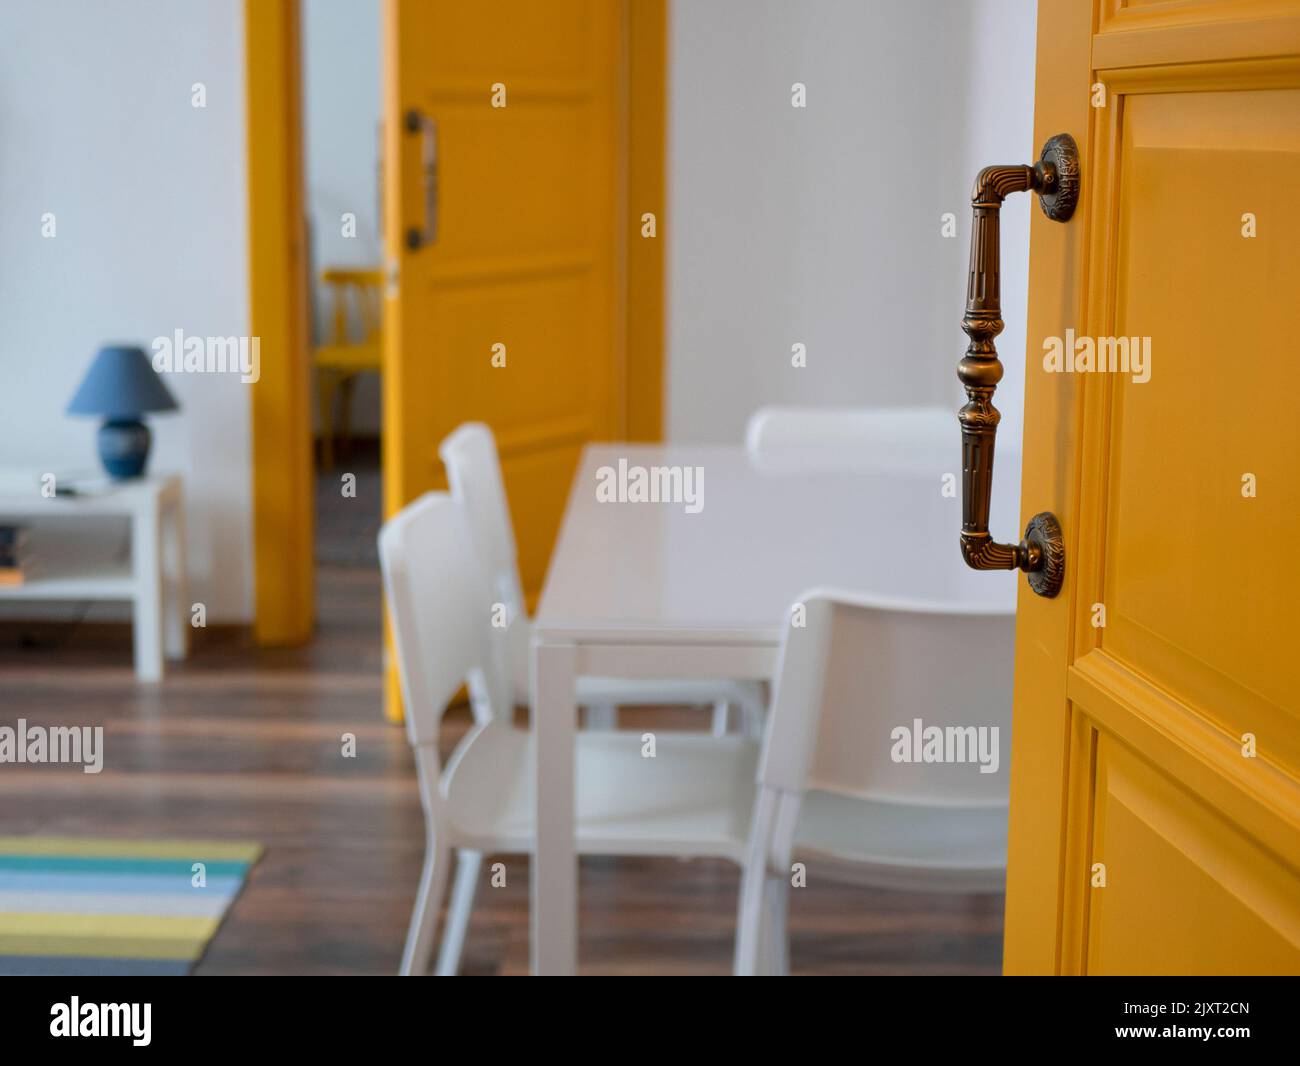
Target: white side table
65 567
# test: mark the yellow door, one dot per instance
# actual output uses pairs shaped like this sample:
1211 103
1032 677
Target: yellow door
504 179
1155 797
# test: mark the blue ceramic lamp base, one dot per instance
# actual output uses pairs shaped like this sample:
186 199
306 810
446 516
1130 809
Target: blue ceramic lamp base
124 447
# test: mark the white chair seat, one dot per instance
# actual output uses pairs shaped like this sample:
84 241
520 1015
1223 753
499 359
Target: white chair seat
903 846
693 798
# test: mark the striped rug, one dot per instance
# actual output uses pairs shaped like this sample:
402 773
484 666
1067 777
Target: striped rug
113 907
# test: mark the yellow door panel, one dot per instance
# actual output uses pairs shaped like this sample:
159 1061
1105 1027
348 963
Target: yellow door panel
538 321
536 191
1184 888
1157 719
1218 641
514 39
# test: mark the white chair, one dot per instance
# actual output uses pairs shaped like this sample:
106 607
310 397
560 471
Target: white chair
788 439
474 475
828 785
692 798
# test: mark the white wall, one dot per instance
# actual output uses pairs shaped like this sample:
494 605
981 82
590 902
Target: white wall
341 104
823 225
999 128
97 127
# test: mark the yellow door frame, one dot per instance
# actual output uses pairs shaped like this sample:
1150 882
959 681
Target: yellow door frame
283 522
282 475
646 73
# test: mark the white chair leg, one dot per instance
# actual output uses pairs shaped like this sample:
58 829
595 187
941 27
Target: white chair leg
749 924
428 901
462 903
602 716
721 718
776 943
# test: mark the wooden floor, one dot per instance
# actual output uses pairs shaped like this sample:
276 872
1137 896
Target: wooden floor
245 744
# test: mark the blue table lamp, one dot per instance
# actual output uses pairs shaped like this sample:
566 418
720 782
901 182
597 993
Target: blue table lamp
120 386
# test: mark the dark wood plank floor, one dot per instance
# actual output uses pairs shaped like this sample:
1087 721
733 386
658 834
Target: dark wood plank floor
245 743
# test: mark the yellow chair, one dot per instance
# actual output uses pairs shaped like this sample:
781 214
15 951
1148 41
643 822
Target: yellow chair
355 346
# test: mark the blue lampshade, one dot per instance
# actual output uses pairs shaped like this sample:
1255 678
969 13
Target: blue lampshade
121 383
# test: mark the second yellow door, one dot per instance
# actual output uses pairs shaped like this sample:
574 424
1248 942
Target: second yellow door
503 180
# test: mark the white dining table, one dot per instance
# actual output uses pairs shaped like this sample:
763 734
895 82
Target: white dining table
651 590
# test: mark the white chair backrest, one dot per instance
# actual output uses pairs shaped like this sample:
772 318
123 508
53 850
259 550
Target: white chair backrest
474 474
855 680
908 438
440 603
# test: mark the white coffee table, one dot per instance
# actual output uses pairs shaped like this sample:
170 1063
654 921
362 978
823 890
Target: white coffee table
69 564
641 590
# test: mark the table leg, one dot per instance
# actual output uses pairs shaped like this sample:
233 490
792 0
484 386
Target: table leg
554 865
177 626
146 615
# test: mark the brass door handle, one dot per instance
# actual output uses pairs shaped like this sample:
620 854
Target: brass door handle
418 122
1041 554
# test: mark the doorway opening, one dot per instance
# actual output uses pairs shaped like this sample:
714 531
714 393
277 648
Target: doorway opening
342 141
319 75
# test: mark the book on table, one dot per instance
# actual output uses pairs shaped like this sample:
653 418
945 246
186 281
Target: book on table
15 554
